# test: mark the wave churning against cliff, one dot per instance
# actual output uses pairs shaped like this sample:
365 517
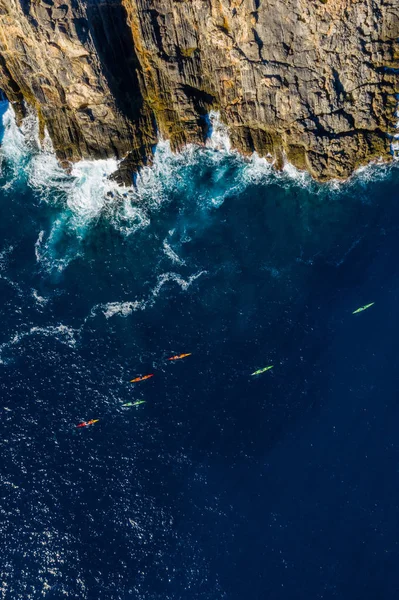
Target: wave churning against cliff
87 195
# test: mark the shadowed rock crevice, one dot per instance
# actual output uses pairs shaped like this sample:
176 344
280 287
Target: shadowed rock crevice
112 37
25 5
201 100
12 91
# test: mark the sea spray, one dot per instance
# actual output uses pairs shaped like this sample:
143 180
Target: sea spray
14 149
208 175
219 133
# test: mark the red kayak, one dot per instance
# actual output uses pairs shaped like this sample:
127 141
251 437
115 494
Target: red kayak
141 378
87 423
179 356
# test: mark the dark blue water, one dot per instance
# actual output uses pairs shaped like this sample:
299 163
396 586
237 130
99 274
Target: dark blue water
222 485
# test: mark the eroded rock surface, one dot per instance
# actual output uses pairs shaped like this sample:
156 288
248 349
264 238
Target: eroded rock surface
315 80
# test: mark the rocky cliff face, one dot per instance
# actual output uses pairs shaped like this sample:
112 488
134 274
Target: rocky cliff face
313 80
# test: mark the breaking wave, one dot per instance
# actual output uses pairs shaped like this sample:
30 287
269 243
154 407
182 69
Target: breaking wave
206 175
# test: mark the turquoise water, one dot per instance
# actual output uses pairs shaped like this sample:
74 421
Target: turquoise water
222 485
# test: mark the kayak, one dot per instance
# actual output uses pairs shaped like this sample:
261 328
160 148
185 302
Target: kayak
87 423
259 371
362 308
141 378
179 356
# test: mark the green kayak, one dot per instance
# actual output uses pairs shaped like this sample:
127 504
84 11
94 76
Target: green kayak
134 403
259 371
362 308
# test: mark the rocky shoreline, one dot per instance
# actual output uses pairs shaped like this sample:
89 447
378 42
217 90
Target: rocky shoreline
314 81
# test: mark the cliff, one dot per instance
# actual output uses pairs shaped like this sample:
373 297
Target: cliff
312 80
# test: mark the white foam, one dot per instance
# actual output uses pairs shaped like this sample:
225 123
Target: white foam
39 299
63 333
30 130
170 253
176 278
46 143
38 244
152 180
87 193
44 251
375 171
219 138
90 187
46 176
130 218
13 146
301 178
257 170
124 309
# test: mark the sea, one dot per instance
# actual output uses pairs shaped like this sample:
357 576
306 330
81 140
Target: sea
222 485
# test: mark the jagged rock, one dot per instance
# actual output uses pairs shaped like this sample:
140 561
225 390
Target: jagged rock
314 80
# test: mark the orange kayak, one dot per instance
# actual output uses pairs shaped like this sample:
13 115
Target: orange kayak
179 356
141 378
86 423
